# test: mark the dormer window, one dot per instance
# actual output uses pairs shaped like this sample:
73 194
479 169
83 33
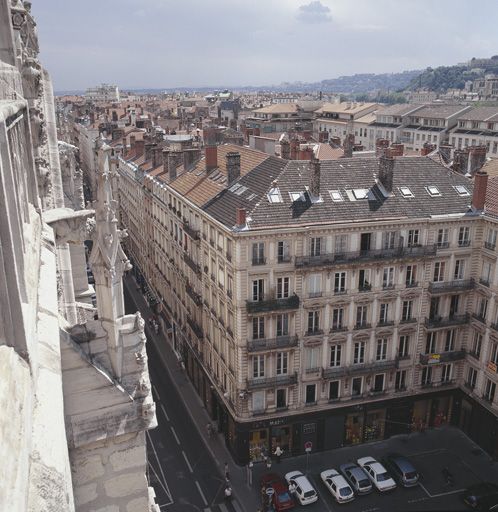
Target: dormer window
360 193
461 190
336 196
433 191
406 192
274 195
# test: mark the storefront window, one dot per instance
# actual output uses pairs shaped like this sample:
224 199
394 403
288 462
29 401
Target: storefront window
441 410
282 436
354 428
258 444
374 425
420 415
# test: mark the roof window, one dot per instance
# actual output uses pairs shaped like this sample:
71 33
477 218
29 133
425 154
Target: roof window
234 188
274 195
406 192
336 196
433 191
240 190
461 190
360 193
296 196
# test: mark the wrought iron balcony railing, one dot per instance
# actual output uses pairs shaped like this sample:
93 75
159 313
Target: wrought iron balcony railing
451 286
438 321
272 382
272 343
268 305
442 357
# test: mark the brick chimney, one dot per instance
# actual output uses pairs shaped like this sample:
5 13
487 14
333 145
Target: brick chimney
294 148
285 151
477 158
139 147
348 145
233 167
241 217
386 169
315 177
445 151
211 157
380 146
480 186
397 149
427 148
172 163
132 142
149 148
460 160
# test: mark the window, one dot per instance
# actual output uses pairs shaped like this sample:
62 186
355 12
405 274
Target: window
378 383
446 372
433 191
337 318
258 290
413 237
400 380
442 238
315 246
274 195
334 390
311 393
388 277
486 273
281 398
360 193
341 244
482 308
359 352
454 305
459 269
282 363
365 242
477 344
258 401
439 267
471 377
258 366
283 251
405 191
340 282
258 328
381 352
336 196
296 196
364 280
406 310
313 321
403 346
430 343
464 236
335 355
461 190
449 343
491 239
384 313
356 386
361 316
315 285
282 324
494 353
282 287
258 253
389 240
411 275
426 375
489 391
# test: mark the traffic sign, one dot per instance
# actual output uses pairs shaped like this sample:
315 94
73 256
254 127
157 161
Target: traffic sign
308 445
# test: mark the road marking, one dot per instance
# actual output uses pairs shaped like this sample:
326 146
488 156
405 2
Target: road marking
201 493
440 494
164 483
324 501
370 509
417 500
188 463
176 437
156 392
164 411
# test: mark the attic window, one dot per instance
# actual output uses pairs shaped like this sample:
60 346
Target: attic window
433 191
274 195
461 190
235 187
251 197
406 192
296 196
336 196
240 190
360 193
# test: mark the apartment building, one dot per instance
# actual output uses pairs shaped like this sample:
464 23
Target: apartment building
335 302
281 117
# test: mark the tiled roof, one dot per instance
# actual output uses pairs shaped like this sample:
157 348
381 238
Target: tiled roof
439 111
279 108
481 114
491 167
343 175
345 107
399 109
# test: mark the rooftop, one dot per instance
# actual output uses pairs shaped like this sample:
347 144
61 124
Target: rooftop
440 111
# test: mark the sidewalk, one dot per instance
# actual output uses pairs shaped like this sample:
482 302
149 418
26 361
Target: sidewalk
245 499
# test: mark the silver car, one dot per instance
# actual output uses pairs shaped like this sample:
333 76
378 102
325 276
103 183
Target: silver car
356 477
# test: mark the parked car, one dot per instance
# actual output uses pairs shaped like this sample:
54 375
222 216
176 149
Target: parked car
337 485
377 474
356 477
483 496
401 469
281 499
304 491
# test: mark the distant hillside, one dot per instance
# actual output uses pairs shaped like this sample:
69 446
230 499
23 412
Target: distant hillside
442 78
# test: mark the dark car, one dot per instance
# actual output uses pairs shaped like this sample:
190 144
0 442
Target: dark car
281 498
483 496
401 469
356 477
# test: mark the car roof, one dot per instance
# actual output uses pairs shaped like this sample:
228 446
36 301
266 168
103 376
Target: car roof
366 460
348 465
304 483
402 462
293 474
340 481
329 473
270 478
377 467
358 472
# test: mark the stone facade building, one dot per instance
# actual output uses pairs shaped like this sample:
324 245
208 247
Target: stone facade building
74 386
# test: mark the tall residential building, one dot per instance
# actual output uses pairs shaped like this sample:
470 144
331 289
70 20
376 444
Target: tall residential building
103 92
74 386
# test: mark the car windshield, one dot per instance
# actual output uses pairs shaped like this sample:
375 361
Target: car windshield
345 491
283 497
364 483
411 475
309 494
382 477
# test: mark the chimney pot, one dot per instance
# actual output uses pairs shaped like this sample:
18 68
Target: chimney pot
479 193
211 153
241 217
386 170
233 167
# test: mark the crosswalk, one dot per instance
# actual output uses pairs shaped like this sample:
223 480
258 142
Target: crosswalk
222 507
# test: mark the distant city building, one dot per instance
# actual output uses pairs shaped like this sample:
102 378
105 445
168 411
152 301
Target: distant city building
103 92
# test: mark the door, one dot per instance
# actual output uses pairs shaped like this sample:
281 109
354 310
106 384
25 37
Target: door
365 242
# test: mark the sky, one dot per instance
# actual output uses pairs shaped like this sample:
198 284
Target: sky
196 43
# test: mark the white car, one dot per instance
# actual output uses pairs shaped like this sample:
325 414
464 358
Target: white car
337 485
377 474
304 491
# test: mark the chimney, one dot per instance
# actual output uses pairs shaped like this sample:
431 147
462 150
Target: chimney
211 157
294 148
460 160
285 151
233 167
348 146
480 186
397 149
315 178
386 168
139 147
149 148
445 151
172 163
241 217
156 156
380 147
132 142
477 157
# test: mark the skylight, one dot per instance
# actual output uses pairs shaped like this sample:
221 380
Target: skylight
433 191
251 197
461 190
406 192
360 193
274 195
336 196
296 196
240 190
233 188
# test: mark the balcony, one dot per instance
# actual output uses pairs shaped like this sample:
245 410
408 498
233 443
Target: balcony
272 343
364 287
479 317
272 382
451 286
362 325
258 261
334 372
443 245
313 332
385 323
195 234
193 295
315 295
447 382
494 326
269 305
191 263
411 284
490 246
463 243
408 320
376 366
484 282
369 255
196 328
338 328
438 322
284 259
442 357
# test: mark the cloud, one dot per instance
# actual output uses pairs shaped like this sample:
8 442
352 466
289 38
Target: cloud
314 12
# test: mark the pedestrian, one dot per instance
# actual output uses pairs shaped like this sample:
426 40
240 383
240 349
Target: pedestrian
227 473
228 493
268 463
292 488
209 429
278 453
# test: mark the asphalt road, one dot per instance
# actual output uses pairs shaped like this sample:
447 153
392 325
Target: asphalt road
180 468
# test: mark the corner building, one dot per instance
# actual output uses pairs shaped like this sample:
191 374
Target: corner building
335 302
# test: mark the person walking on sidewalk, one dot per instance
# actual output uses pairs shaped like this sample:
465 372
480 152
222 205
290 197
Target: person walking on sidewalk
278 453
228 494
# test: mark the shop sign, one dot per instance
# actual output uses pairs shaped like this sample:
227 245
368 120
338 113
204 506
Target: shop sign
308 445
492 366
434 358
274 423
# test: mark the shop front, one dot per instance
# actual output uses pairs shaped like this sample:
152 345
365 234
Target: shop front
264 441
